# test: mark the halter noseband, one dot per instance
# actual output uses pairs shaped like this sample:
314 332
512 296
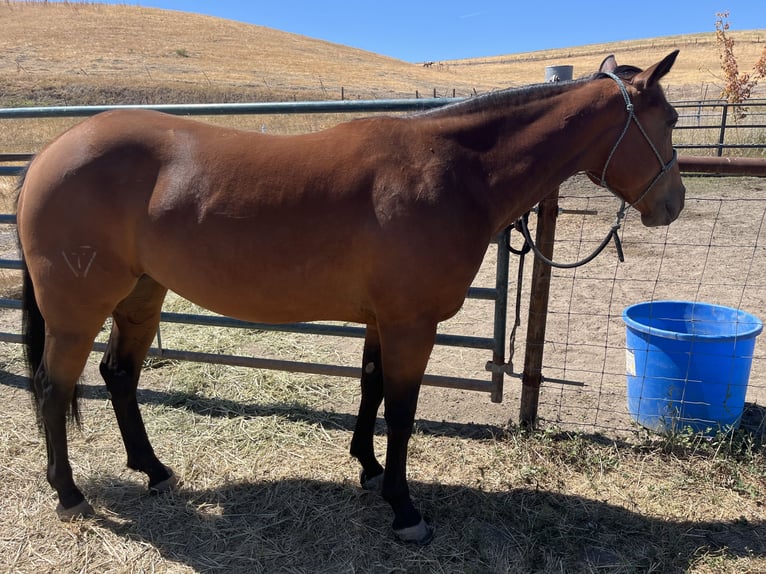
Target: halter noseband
522 222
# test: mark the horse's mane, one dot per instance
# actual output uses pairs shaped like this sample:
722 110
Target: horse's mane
522 95
505 97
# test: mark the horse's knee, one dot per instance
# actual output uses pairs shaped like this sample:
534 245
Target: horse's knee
372 378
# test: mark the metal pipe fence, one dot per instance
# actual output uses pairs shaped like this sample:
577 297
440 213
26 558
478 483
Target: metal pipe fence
497 295
721 126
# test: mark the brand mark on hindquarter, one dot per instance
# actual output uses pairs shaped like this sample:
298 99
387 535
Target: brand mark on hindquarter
79 260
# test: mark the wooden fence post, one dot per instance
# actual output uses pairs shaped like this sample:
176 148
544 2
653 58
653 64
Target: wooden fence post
548 210
538 310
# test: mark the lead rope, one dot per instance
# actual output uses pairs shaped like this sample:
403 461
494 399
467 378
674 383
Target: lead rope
522 223
523 226
519 281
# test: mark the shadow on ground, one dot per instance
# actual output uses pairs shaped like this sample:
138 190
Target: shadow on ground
220 407
308 525
311 525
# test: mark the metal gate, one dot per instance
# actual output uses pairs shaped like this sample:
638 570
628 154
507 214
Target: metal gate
12 165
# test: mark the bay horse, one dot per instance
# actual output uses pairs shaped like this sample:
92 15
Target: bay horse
382 221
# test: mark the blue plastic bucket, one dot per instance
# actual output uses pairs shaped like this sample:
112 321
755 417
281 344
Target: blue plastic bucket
688 364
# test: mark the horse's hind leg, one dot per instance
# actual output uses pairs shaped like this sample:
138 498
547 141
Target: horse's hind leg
372 395
54 384
135 322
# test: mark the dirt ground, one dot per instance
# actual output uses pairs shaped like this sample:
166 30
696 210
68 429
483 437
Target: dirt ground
714 253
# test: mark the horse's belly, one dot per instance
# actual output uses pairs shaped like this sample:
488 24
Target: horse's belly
267 294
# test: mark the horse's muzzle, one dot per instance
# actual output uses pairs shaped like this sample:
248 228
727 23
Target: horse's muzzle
667 211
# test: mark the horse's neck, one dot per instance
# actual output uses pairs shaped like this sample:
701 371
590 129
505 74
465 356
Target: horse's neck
528 149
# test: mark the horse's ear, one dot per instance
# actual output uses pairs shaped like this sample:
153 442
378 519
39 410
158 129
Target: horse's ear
652 75
609 64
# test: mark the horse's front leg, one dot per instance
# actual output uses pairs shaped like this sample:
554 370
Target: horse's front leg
406 350
362 446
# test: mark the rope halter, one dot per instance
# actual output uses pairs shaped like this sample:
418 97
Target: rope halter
665 167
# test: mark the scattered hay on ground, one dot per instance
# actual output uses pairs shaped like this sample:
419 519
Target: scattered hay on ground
268 486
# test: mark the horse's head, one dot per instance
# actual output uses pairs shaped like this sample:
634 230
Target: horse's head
640 165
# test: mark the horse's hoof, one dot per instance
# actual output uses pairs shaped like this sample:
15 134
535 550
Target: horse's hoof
82 510
165 485
420 534
371 484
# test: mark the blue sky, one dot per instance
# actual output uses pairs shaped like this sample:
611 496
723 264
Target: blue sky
423 30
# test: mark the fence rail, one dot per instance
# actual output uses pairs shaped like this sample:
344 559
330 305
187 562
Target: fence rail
735 126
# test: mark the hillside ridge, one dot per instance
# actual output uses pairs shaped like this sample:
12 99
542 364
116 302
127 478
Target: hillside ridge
96 53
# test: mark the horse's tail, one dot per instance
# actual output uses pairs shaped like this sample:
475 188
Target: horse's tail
33 332
32 336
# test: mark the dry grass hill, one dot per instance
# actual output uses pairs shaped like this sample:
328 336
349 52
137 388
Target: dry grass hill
80 53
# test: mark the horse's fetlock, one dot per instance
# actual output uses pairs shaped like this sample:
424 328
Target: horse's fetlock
371 482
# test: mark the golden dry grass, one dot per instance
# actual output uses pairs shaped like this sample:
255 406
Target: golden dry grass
268 486
121 47
695 75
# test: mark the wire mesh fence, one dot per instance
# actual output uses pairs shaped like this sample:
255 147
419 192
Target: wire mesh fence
714 253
